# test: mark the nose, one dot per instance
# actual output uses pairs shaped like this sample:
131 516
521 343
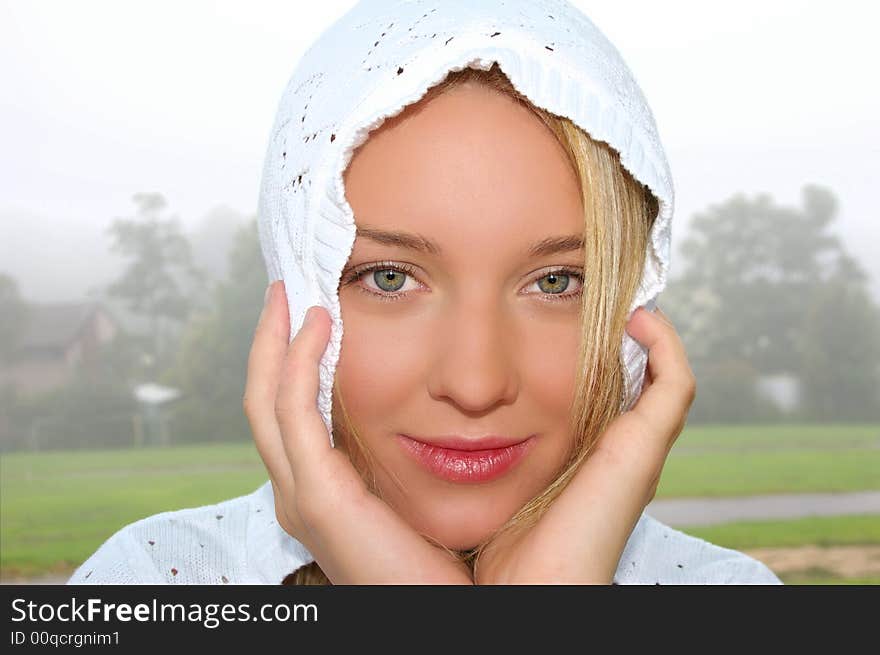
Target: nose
474 360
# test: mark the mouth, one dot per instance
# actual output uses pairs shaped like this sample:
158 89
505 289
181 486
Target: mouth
462 460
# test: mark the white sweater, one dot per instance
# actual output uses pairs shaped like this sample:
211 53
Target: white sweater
239 541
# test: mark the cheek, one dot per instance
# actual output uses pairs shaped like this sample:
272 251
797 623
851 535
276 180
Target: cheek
548 359
378 366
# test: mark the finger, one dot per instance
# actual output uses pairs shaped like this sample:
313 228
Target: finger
658 312
672 387
303 431
648 378
263 374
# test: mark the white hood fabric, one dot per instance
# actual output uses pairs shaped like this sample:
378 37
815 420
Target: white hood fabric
384 55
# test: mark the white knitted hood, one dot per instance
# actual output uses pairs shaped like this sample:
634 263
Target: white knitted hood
384 55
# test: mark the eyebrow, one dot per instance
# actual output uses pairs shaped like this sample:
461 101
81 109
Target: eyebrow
548 246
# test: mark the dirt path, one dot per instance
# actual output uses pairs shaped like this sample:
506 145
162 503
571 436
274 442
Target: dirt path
686 512
817 562
55 578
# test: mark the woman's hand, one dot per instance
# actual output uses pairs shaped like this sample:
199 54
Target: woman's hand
580 538
320 499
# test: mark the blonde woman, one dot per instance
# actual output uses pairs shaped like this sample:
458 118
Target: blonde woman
477 193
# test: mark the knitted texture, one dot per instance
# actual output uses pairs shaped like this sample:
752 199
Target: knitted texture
384 55
239 541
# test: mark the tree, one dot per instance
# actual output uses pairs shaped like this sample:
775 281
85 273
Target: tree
756 262
757 277
212 240
13 316
212 365
160 282
727 393
840 345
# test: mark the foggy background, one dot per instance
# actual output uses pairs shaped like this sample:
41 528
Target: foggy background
131 277
156 115
104 99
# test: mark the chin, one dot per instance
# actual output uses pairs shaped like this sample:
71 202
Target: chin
456 523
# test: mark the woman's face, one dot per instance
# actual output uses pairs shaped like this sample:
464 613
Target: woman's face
474 336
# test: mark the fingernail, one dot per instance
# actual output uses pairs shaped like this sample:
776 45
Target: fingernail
268 294
310 315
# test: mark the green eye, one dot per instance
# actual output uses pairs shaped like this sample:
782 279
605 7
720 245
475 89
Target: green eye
389 279
556 283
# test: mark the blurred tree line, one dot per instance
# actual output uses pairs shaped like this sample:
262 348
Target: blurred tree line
184 326
768 290
763 290
212 320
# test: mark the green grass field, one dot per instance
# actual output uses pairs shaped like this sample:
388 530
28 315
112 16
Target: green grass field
57 508
814 530
744 461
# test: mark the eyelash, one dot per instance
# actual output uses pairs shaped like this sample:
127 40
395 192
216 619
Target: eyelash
356 274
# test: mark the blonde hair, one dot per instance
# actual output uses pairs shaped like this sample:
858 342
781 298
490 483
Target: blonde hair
618 215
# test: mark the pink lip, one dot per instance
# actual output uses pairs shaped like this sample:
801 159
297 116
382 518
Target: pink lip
458 459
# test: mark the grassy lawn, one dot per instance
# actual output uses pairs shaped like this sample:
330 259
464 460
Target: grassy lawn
721 438
772 472
750 460
57 508
814 530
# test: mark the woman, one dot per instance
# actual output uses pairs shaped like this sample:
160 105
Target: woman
476 191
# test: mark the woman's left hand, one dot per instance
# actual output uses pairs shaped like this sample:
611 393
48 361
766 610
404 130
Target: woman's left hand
580 538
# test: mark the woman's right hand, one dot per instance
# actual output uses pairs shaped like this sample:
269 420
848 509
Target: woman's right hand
320 499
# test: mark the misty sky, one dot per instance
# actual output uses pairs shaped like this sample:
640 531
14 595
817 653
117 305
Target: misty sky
103 99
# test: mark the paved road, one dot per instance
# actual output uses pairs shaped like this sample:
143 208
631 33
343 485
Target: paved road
712 511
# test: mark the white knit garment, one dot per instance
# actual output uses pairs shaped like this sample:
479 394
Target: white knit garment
384 55
239 541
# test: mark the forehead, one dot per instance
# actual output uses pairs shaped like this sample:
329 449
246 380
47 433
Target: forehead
471 166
